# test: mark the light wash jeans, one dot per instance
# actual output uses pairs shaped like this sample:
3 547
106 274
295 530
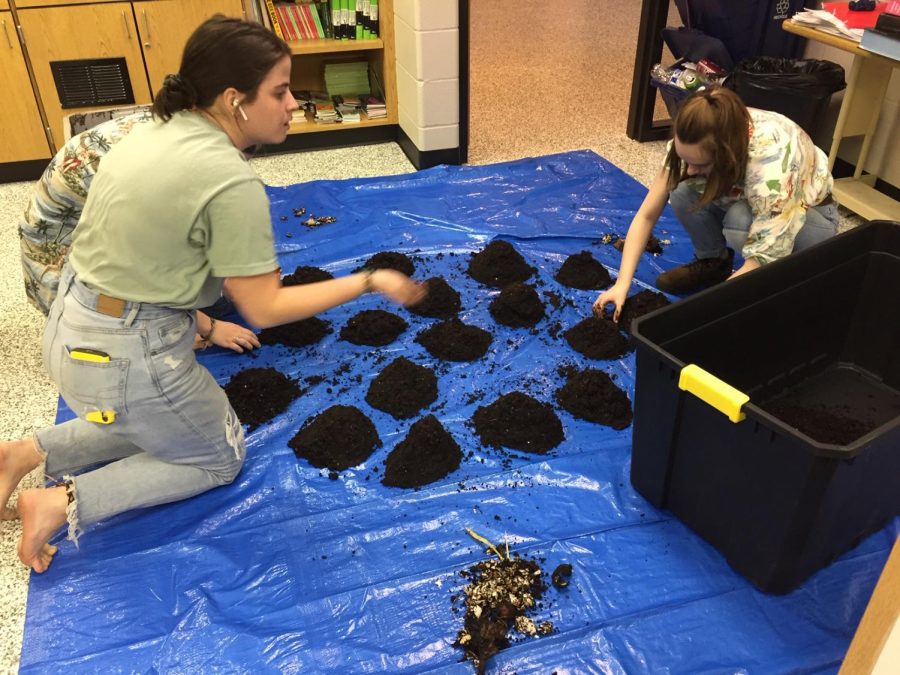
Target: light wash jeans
175 434
712 227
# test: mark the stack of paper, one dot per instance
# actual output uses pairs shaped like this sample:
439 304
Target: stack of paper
826 22
347 78
374 107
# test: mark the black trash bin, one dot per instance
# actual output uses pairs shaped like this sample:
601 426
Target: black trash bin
798 89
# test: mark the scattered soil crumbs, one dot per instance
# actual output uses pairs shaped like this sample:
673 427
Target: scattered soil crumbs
499 264
592 396
518 306
639 304
374 327
338 438
306 275
390 260
822 423
653 246
500 595
518 421
428 453
403 388
597 339
296 334
442 300
583 271
454 340
259 394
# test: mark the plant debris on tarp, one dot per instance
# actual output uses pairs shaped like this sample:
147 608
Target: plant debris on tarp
403 388
639 304
428 453
822 423
583 271
499 264
337 438
517 306
390 260
518 421
441 302
501 596
305 274
597 338
454 340
373 327
592 395
259 394
653 246
297 333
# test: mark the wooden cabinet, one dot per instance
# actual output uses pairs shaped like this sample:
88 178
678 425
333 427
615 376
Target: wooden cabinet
22 135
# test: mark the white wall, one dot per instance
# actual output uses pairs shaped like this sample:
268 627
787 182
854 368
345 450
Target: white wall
426 36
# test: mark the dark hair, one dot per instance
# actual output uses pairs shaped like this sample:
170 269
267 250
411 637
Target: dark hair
222 53
717 120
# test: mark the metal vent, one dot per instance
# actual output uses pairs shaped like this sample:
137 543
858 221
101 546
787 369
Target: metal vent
89 82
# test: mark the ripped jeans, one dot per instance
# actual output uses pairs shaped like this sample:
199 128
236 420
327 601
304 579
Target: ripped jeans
174 435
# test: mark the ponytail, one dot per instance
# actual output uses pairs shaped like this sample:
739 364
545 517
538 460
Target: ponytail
175 95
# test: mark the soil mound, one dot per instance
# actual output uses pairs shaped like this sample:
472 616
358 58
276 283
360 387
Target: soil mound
403 388
338 438
306 275
259 394
454 340
517 306
639 304
428 453
499 264
373 327
597 339
518 421
390 260
442 300
583 271
591 395
296 334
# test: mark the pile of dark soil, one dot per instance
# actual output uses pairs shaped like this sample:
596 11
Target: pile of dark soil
639 304
517 306
653 246
454 340
822 423
499 596
597 339
390 260
338 438
442 300
306 275
499 264
428 453
591 395
403 388
583 271
296 334
373 327
518 421
259 394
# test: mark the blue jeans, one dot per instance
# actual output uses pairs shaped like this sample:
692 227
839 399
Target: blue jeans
712 227
175 434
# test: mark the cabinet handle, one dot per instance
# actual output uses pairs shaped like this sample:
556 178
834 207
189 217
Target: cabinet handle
147 26
127 28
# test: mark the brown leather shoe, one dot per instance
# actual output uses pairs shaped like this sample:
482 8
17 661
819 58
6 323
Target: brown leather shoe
696 275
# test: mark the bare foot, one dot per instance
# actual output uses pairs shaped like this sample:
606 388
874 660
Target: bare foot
17 458
43 512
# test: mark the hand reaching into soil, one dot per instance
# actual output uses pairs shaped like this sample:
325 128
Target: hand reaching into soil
397 286
229 336
616 295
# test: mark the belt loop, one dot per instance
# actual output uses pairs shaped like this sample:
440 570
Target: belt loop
132 314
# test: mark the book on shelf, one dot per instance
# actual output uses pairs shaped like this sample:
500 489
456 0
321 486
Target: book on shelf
373 106
273 18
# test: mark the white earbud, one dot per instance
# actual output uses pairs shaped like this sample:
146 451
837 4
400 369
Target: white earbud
237 104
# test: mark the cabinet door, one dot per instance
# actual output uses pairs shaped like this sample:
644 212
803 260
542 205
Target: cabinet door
21 132
81 32
165 26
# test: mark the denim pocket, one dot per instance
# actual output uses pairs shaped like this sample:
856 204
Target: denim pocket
172 332
89 386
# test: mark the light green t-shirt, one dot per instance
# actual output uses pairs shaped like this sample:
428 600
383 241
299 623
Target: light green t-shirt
174 209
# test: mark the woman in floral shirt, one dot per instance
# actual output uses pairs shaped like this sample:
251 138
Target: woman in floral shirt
747 178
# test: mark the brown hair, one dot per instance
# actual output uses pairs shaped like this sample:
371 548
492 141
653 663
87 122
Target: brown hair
222 53
717 120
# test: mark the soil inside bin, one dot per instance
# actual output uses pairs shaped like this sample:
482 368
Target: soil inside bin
517 306
518 421
306 275
499 264
454 340
823 423
259 394
296 334
390 260
403 388
373 327
583 271
597 338
442 301
592 395
338 438
427 454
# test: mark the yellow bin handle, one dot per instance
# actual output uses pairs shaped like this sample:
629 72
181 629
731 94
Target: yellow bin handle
710 389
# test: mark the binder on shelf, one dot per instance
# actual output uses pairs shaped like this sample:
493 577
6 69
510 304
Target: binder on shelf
351 19
273 18
373 16
336 19
358 18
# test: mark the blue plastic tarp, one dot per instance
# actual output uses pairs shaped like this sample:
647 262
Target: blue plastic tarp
288 571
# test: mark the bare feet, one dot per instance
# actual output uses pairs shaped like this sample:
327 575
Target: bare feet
17 458
43 512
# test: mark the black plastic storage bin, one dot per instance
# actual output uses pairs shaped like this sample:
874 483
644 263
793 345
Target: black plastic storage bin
821 325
